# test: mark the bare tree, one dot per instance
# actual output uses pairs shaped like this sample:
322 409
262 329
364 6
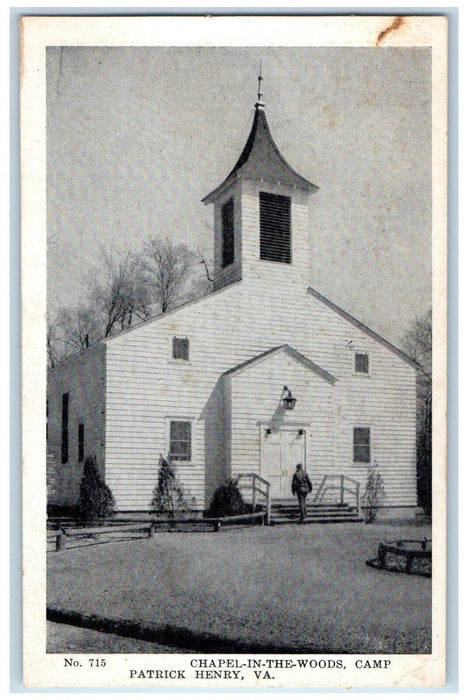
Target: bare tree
118 292
166 269
201 284
199 287
125 288
417 343
54 352
79 327
202 261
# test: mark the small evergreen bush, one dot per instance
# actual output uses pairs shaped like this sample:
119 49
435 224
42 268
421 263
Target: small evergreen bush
374 494
168 494
96 499
227 500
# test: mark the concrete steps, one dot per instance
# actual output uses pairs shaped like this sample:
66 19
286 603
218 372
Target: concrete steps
286 512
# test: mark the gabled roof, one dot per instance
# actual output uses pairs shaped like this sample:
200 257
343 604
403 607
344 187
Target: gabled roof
164 315
261 160
344 314
150 321
299 357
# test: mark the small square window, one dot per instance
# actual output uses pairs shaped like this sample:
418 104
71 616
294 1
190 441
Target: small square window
361 363
361 445
180 348
180 441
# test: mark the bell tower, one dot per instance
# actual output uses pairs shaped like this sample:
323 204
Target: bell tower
261 227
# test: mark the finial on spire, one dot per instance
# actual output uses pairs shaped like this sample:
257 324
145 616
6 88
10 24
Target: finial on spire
260 102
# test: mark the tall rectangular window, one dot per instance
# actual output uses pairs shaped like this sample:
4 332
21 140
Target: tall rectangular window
275 227
81 442
180 348
65 404
180 441
227 217
361 445
361 363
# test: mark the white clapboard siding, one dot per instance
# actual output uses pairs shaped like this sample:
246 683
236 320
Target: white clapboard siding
298 270
145 389
255 394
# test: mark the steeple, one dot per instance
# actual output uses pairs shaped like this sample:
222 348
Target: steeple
261 214
261 158
259 93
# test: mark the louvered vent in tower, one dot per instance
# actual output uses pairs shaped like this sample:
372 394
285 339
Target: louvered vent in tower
275 227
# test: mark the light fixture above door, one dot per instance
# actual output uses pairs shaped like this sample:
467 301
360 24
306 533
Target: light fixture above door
288 401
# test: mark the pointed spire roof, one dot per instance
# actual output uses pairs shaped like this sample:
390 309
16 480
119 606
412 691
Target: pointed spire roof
262 160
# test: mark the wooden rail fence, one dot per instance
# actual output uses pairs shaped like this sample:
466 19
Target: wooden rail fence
145 529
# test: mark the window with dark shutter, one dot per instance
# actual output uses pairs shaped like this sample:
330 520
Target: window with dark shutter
81 442
180 348
65 403
227 216
361 363
275 227
180 438
361 445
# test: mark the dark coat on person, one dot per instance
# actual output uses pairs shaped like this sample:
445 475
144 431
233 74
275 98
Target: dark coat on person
301 482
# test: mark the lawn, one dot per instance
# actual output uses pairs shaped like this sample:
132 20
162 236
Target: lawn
305 587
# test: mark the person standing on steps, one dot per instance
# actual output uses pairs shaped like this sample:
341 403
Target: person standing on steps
301 486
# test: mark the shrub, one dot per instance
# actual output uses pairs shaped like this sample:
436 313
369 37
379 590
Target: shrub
227 500
374 494
96 499
168 494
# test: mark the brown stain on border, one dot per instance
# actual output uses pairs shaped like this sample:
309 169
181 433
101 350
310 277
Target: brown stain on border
397 23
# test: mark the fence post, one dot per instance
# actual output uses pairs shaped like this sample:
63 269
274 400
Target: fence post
60 541
151 531
341 488
358 499
409 563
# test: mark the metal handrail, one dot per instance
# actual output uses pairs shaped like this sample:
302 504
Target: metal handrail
342 488
254 475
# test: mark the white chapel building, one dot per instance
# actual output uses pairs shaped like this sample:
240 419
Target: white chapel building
262 373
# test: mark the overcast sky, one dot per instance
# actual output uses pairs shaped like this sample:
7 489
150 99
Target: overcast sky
137 136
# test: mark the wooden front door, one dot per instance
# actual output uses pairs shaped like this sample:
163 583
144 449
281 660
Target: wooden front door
281 451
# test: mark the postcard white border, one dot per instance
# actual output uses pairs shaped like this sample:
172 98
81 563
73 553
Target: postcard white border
46 670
